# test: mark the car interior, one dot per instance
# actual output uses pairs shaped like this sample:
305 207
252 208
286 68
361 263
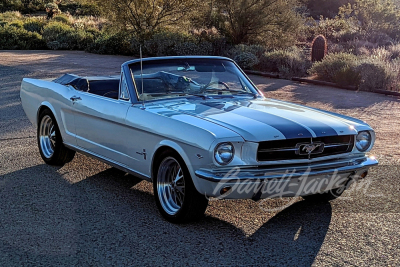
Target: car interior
107 86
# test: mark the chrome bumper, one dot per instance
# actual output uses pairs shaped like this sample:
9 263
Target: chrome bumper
316 169
284 181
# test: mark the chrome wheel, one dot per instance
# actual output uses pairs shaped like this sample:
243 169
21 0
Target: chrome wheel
170 185
47 136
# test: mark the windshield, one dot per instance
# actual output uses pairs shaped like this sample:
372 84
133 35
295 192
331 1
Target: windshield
189 77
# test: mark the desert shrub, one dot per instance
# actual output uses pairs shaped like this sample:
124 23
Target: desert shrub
335 48
57 32
246 60
272 23
10 16
88 22
61 36
375 74
219 44
88 10
338 68
163 43
192 48
34 25
256 50
80 9
168 43
381 54
19 38
394 52
347 35
69 7
288 62
113 44
62 18
17 23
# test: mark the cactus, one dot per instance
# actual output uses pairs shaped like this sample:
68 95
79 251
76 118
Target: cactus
319 48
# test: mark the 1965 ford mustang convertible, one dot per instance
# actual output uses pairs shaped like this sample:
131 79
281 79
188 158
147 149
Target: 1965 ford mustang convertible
197 127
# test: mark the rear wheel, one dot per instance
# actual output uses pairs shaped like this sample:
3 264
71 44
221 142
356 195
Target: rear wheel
176 196
51 147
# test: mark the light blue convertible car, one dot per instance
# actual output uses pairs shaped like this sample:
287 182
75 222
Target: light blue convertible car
197 127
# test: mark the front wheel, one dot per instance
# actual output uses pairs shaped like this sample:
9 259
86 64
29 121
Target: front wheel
176 196
51 147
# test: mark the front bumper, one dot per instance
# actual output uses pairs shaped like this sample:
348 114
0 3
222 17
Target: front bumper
286 181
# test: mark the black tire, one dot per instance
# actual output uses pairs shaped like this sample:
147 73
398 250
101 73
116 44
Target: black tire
190 205
51 147
326 196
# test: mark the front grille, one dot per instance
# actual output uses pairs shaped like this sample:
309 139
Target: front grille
289 149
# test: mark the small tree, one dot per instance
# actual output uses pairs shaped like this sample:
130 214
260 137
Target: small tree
376 16
147 16
273 22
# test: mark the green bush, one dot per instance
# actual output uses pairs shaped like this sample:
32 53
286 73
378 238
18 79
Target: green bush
10 16
113 44
78 9
191 48
19 38
88 10
246 60
374 74
34 25
219 44
17 24
256 50
61 36
168 43
63 19
164 43
338 68
289 62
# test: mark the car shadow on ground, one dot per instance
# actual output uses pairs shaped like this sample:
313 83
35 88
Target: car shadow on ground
105 220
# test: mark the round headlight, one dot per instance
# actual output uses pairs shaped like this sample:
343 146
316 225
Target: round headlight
224 153
363 141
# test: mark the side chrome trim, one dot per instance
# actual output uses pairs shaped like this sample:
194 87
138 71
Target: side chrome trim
109 162
256 174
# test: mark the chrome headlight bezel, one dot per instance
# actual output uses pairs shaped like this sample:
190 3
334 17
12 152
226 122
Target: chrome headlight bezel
365 137
221 148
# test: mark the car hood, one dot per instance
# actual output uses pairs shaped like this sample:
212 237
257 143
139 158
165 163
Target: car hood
265 119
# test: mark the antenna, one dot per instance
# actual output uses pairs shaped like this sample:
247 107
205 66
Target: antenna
141 75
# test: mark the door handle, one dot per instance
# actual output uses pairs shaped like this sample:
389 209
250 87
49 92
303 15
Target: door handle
75 98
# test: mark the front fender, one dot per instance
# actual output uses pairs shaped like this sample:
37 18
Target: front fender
193 157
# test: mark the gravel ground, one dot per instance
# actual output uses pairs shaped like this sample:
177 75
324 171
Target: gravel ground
89 214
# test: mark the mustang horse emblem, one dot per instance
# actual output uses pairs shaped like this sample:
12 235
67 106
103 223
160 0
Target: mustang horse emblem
310 148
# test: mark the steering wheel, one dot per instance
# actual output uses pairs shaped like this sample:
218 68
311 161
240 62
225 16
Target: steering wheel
219 82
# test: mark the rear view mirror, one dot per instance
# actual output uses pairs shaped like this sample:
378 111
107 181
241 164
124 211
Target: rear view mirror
191 68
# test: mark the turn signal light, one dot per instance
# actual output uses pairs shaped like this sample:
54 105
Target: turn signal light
225 190
364 174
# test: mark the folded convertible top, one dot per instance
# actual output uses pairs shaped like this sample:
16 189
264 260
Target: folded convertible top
83 83
79 83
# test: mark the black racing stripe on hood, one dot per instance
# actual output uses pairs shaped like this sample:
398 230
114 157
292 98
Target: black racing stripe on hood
288 128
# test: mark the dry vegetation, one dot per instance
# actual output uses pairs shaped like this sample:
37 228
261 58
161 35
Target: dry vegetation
267 35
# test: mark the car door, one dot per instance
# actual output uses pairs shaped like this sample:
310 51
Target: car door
100 125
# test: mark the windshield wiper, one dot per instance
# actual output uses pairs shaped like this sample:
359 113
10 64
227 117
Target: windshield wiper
233 91
198 95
